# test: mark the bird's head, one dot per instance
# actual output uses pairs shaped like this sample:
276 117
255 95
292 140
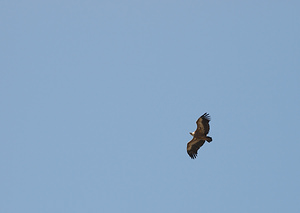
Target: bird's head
192 133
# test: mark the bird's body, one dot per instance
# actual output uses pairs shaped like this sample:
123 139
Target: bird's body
199 136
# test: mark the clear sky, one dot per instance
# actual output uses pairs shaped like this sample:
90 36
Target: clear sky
98 99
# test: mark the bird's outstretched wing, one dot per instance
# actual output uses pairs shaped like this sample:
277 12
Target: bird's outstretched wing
203 124
193 146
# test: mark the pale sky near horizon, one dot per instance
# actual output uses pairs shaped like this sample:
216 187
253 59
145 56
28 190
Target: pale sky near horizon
98 99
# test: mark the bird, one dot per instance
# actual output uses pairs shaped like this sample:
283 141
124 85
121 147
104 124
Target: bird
199 135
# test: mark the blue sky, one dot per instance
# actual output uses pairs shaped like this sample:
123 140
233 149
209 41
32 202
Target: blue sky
98 97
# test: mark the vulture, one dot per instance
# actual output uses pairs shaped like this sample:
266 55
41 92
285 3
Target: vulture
199 136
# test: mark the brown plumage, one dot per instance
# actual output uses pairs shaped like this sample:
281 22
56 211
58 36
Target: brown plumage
199 136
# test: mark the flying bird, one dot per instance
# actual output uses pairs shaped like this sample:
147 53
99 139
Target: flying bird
199 135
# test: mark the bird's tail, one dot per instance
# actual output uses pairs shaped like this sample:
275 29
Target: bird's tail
209 139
